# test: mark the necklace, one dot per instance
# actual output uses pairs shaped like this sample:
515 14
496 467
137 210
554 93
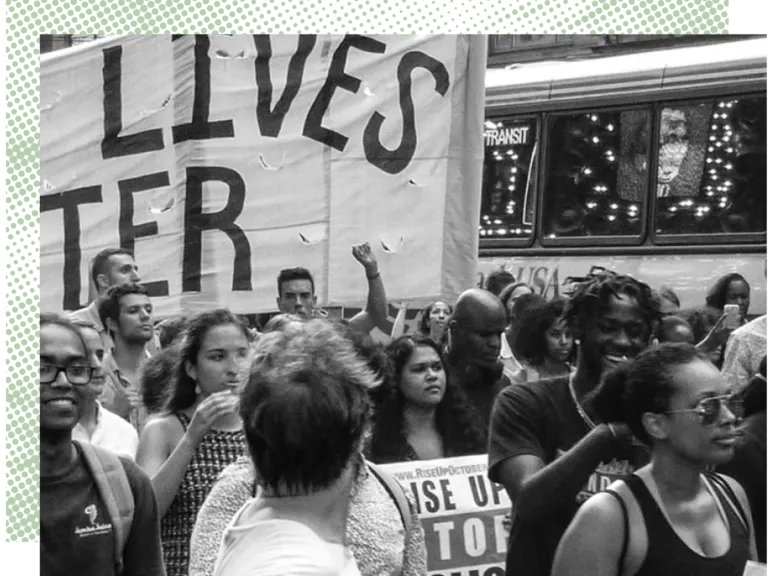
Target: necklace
582 413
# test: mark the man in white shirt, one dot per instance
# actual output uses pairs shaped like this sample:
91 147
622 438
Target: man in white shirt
745 350
97 425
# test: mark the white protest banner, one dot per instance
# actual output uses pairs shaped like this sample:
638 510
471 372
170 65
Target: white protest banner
462 513
222 159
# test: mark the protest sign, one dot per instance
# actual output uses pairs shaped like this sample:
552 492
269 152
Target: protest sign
221 159
462 513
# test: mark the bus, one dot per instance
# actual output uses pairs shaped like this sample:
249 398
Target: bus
651 164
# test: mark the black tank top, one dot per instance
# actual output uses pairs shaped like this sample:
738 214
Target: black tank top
668 555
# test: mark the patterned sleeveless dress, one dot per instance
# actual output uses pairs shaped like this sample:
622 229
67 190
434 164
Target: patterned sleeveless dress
217 450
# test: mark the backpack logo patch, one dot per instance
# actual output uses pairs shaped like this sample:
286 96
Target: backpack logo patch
95 528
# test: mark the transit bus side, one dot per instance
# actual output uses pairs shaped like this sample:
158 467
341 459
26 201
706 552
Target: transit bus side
652 164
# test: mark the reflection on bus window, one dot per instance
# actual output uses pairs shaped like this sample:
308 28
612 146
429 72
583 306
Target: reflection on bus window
509 182
597 174
711 177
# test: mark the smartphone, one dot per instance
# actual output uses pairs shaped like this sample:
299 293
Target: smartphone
733 316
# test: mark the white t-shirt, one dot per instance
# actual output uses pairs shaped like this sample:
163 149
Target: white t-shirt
111 432
279 548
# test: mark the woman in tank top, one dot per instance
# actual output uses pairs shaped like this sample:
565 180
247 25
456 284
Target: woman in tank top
200 433
671 517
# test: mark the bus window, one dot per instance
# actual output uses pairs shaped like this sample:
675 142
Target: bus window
711 174
509 178
597 176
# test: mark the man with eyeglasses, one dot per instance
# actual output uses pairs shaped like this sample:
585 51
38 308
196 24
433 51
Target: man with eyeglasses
78 533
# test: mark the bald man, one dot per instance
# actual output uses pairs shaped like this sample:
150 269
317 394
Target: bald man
473 349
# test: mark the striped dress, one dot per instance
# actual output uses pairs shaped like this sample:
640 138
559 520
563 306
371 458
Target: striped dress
217 450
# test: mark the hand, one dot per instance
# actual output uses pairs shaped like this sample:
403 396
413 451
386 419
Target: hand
208 413
716 337
134 397
364 255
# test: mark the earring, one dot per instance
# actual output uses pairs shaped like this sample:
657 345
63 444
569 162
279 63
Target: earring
577 342
198 390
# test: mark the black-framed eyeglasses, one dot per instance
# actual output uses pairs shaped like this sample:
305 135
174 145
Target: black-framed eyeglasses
709 409
77 374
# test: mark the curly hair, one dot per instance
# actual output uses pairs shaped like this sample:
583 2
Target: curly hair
529 333
592 294
456 423
717 294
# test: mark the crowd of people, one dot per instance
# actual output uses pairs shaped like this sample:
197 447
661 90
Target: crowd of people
629 434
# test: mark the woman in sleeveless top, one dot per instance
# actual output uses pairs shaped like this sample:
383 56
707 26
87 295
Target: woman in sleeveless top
422 415
671 517
184 449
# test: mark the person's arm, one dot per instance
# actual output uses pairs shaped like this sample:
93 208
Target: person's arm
229 493
716 337
164 459
375 312
521 426
592 544
415 552
538 489
143 555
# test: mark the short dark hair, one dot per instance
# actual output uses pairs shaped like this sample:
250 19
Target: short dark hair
668 324
170 329
183 393
424 322
109 304
522 304
642 384
667 293
305 407
592 294
506 293
47 318
717 294
297 273
101 260
157 378
529 332
498 280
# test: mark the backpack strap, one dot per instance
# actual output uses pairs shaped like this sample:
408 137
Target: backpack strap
625 517
115 491
395 491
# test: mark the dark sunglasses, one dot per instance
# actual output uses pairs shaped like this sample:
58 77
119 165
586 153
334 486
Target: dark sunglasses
709 409
77 374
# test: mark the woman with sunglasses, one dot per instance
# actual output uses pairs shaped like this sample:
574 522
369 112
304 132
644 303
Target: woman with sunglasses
671 517
749 465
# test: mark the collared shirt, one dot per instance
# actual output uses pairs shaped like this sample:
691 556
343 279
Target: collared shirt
115 398
111 432
745 350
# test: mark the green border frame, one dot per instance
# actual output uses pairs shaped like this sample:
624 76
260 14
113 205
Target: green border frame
26 19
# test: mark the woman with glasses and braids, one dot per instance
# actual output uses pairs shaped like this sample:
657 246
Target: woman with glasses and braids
671 517
749 465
